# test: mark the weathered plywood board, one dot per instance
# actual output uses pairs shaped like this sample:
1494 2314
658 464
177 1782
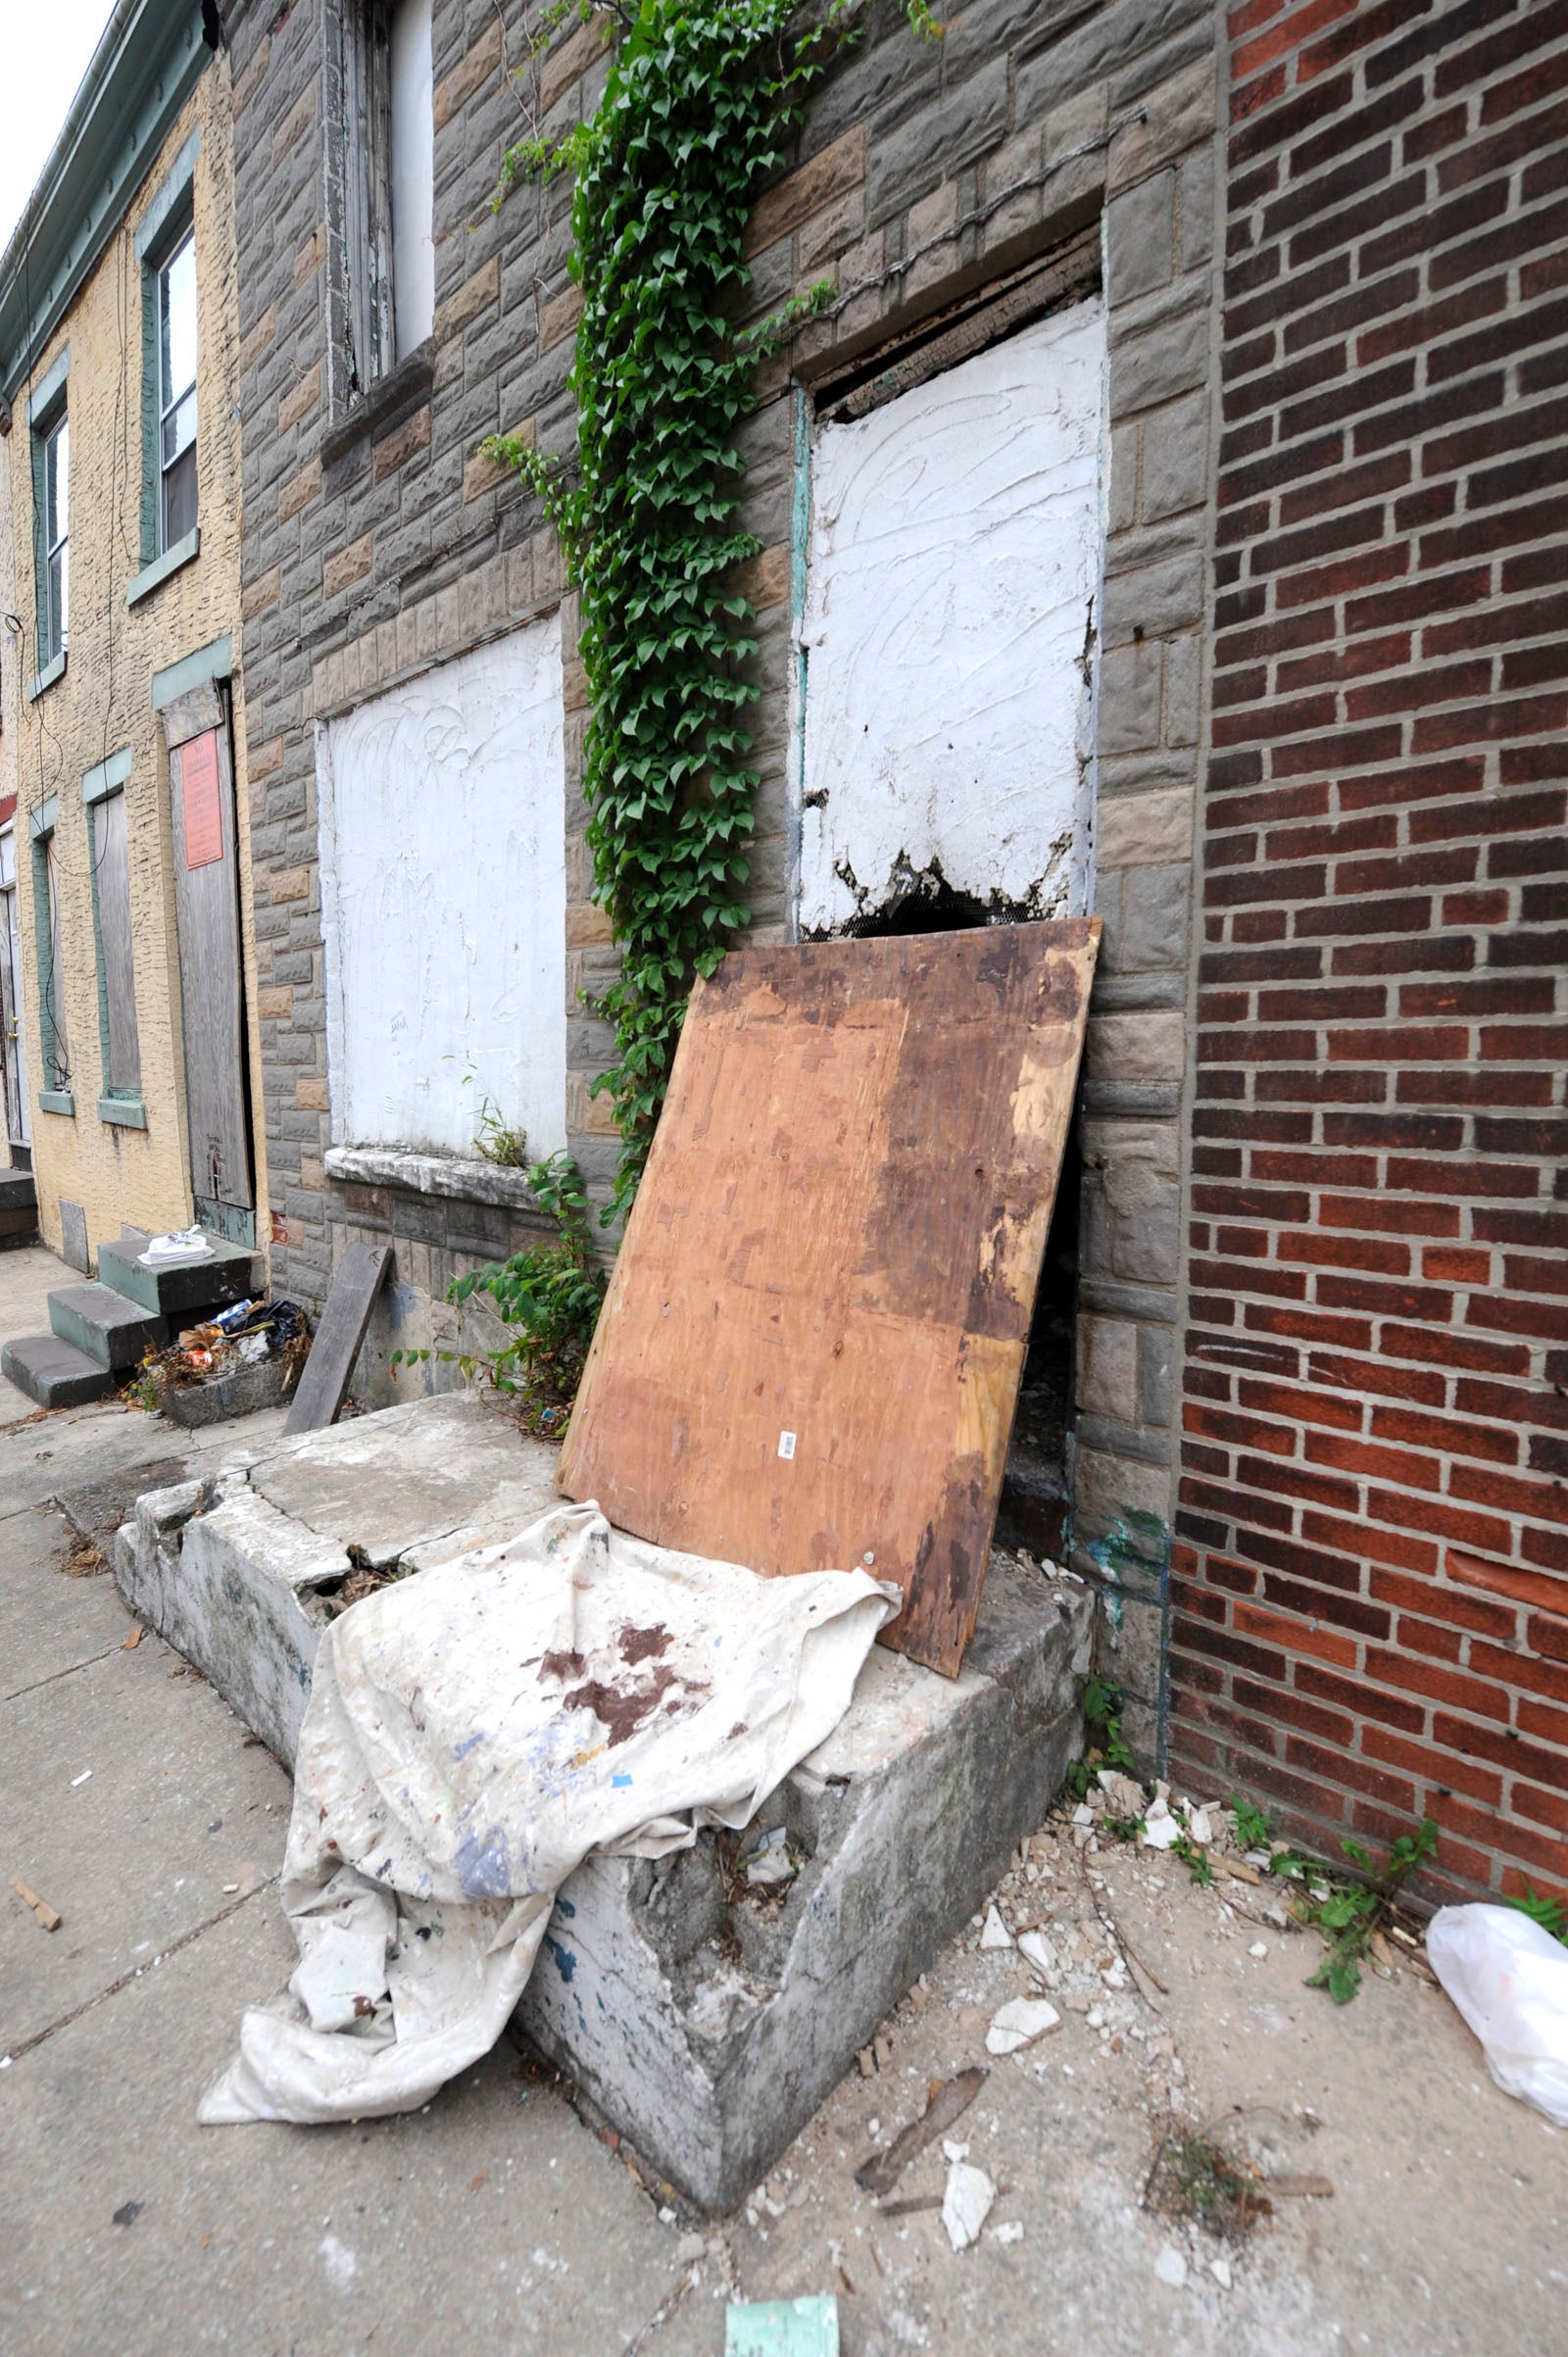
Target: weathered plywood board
324 1384
811 1349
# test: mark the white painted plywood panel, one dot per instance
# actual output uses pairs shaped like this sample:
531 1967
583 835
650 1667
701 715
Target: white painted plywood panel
442 894
954 566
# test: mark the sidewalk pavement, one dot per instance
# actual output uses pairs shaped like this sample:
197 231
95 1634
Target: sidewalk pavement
132 1800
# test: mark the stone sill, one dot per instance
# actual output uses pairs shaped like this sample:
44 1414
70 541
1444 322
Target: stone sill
127 1112
402 388
152 575
47 676
56 1101
469 1182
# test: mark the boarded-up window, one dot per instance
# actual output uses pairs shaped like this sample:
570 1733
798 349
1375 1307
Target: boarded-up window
949 639
117 975
444 903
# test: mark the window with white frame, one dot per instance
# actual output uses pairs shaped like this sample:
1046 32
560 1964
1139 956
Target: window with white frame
176 394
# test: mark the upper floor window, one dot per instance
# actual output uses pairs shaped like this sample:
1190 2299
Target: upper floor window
176 394
390 183
55 538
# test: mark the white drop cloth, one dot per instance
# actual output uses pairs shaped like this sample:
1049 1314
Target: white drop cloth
473 1732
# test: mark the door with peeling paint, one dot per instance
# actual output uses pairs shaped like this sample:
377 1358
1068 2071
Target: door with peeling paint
201 786
947 642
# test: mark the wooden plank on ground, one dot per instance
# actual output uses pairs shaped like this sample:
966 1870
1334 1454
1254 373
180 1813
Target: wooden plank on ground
811 1349
338 1336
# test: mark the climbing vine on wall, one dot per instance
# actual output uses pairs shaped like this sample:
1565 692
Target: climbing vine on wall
701 100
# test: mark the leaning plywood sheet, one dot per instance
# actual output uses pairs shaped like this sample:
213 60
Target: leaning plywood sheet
810 1353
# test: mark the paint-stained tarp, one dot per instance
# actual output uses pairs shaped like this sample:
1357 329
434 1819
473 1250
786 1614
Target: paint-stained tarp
473 1732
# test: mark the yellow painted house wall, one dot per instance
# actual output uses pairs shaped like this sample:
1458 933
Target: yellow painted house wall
103 702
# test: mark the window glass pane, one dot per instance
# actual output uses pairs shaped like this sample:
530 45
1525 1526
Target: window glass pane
178 284
179 496
179 429
57 479
118 985
59 586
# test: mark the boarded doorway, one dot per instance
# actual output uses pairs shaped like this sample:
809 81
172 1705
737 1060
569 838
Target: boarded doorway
211 980
13 1053
955 492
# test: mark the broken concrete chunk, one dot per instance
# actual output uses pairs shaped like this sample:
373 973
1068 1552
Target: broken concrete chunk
1037 1952
1160 1829
1123 1797
967 2198
996 1934
1019 2023
1171 2267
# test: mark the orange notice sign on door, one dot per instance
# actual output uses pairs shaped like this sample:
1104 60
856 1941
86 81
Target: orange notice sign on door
202 802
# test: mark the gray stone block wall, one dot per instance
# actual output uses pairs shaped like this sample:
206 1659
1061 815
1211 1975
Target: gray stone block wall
371 551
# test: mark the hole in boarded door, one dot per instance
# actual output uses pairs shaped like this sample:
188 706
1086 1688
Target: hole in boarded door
1033 1485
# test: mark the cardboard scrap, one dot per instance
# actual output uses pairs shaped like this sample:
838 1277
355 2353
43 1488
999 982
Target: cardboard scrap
49 1918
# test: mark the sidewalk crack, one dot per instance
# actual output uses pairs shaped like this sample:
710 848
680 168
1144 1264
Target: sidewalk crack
138 1972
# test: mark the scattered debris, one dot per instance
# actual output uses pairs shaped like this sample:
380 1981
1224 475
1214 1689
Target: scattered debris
133 1640
129 2212
1019 2023
1171 2267
81 1779
49 1918
967 2199
1302 2189
947 2100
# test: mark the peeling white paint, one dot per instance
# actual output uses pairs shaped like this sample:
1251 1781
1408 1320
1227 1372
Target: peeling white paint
443 902
955 555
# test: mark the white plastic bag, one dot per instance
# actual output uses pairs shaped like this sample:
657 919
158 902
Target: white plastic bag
1509 1979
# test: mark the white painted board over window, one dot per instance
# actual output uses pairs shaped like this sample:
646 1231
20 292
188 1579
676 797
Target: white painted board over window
956 554
444 901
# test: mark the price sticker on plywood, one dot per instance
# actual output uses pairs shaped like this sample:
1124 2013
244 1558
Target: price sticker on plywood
201 800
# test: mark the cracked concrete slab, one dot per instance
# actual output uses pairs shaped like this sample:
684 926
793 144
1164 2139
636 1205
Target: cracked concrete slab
409 1477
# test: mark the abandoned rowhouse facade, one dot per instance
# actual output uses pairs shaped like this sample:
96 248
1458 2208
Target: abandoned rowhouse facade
1099 572
123 846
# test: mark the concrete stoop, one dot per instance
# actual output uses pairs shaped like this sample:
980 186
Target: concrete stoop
99 1331
706 2018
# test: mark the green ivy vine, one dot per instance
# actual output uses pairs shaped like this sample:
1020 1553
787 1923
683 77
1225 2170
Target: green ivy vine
701 101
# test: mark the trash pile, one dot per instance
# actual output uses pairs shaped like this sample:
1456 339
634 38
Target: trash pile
244 1335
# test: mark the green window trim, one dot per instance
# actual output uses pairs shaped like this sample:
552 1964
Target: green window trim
162 229
47 676
48 415
52 1042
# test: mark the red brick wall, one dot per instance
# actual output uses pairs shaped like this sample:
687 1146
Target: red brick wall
1371 1600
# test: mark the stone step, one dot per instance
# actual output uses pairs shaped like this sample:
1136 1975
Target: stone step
116 1332
184 1291
53 1372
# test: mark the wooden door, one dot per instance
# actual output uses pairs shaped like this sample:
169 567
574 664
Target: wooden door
212 983
11 1051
